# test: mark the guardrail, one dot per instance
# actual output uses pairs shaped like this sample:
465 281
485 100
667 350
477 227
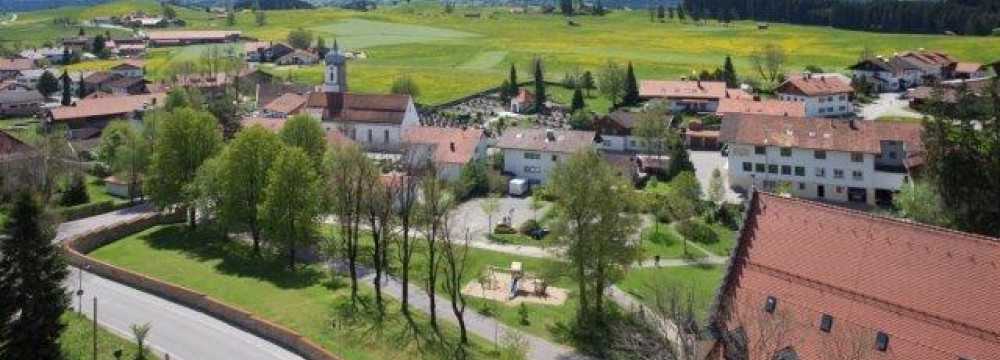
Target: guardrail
76 248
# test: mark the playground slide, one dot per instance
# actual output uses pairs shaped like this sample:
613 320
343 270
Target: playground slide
513 288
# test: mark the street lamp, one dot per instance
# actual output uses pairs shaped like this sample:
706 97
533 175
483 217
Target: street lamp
79 291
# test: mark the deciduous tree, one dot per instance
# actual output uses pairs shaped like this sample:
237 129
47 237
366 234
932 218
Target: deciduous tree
306 133
611 82
246 165
769 61
47 84
184 139
292 202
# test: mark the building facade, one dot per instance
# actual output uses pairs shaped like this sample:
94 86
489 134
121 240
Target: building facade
532 154
823 95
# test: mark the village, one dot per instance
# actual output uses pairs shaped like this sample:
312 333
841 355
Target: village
779 214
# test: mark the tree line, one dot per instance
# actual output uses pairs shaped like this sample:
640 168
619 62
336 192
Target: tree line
968 17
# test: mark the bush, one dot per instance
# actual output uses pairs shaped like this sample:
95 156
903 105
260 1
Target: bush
697 231
529 227
88 210
504 229
497 182
522 313
76 192
661 237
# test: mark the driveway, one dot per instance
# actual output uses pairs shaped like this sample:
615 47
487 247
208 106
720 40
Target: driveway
888 105
707 161
470 215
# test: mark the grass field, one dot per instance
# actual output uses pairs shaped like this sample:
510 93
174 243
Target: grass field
451 55
76 341
308 300
700 282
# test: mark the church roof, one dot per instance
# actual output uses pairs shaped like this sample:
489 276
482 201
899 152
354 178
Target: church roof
364 108
334 56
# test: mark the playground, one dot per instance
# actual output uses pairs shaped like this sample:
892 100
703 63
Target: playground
513 286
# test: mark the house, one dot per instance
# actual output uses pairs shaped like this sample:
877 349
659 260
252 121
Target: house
132 69
523 103
50 55
266 52
761 107
29 78
966 70
823 95
122 85
375 122
131 50
78 44
902 71
285 105
210 85
449 149
20 102
688 95
614 132
807 280
297 57
532 153
10 68
268 91
854 161
189 37
95 113
700 137
118 187
15 158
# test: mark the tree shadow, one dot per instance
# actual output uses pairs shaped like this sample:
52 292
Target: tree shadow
237 259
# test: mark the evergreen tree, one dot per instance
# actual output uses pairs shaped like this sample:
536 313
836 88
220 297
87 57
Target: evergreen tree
513 80
587 81
680 13
577 100
539 86
47 84
729 73
670 13
81 33
566 7
660 12
76 193
81 91
66 93
31 281
631 87
98 47
66 57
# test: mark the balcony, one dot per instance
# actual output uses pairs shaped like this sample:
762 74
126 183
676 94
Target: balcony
896 169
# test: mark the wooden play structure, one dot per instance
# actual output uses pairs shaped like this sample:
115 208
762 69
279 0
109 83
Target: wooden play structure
512 285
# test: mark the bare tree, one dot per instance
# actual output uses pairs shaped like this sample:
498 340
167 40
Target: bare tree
381 197
768 60
490 205
433 211
405 205
766 333
350 178
455 253
847 342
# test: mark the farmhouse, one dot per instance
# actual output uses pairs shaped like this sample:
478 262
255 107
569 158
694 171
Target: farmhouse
449 149
51 55
297 57
532 153
822 95
688 95
524 102
903 71
614 132
862 162
94 113
285 105
189 37
376 122
20 102
808 280
10 68
260 51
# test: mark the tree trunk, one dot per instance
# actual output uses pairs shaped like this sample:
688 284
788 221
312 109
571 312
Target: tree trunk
255 234
377 260
582 312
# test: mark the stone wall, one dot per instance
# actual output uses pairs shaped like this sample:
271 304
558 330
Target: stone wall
76 248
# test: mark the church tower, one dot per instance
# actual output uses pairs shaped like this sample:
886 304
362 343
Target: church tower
335 80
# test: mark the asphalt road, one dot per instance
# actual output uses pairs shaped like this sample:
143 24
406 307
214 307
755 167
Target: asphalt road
183 333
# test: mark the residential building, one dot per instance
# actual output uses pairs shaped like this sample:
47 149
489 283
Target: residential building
836 160
903 71
88 114
807 280
532 153
10 68
823 95
333 137
615 132
29 78
297 57
285 105
260 51
523 103
51 55
966 70
449 149
948 91
375 122
129 68
189 37
689 95
761 107
14 156
20 102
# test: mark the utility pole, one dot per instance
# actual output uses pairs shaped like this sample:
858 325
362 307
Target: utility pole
79 292
95 328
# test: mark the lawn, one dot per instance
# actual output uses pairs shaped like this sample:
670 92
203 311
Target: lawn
665 242
451 55
97 192
727 238
309 300
700 282
76 341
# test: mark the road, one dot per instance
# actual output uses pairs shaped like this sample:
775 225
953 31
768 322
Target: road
183 333
888 105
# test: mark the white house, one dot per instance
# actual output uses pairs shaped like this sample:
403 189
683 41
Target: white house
903 71
823 95
449 149
532 153
836 160
375 122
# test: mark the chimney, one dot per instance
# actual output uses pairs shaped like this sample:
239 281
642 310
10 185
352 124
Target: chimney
808 75
756 97
452 146
550 135
822 78
852 124
699 83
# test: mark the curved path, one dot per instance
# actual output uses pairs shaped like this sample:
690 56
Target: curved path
184 333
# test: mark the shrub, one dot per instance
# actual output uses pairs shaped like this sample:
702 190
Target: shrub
528 227
76 192
697 231
662 237
522 313
87 210
503 229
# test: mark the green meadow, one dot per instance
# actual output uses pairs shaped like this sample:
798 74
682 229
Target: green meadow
451 55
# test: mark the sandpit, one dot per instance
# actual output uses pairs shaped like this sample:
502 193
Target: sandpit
498 289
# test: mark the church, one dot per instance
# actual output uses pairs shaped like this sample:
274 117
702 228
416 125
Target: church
376 122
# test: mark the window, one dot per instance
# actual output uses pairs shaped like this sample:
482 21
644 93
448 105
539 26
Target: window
838 173
369 135
759 150
800 171
555 158
826 323
771 304
840 189
857 175
842 108
747 166
532 156
772 169
822 110
631 143
786 169
819 154
892 155
857 157
532 169
786 152
881 341
758 167
843 97
802 186
820 172
385 136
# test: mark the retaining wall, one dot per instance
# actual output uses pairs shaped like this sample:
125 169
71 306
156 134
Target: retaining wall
76 248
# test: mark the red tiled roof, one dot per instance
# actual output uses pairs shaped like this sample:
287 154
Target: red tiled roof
106 106
451 145
566 141
815 85
524 97
934 291
337 138
818 133
273 124
289 103
926 59
967 67
763 107
16 64
682 89
366 108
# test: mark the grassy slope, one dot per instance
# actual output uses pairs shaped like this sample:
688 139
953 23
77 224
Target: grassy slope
700 281
76 341
451 55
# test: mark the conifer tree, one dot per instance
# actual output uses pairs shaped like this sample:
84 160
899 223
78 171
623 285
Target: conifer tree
631 87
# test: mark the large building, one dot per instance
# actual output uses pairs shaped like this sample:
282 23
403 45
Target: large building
831 159
823 95
376 122
808 280
689 95
92 115
531 154
906 70
449 149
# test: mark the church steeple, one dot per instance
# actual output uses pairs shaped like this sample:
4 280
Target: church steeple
335 79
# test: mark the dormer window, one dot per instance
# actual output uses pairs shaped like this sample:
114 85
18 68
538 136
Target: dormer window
881 341
771 304
826 323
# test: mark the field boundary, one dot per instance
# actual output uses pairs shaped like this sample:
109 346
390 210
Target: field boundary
76 248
